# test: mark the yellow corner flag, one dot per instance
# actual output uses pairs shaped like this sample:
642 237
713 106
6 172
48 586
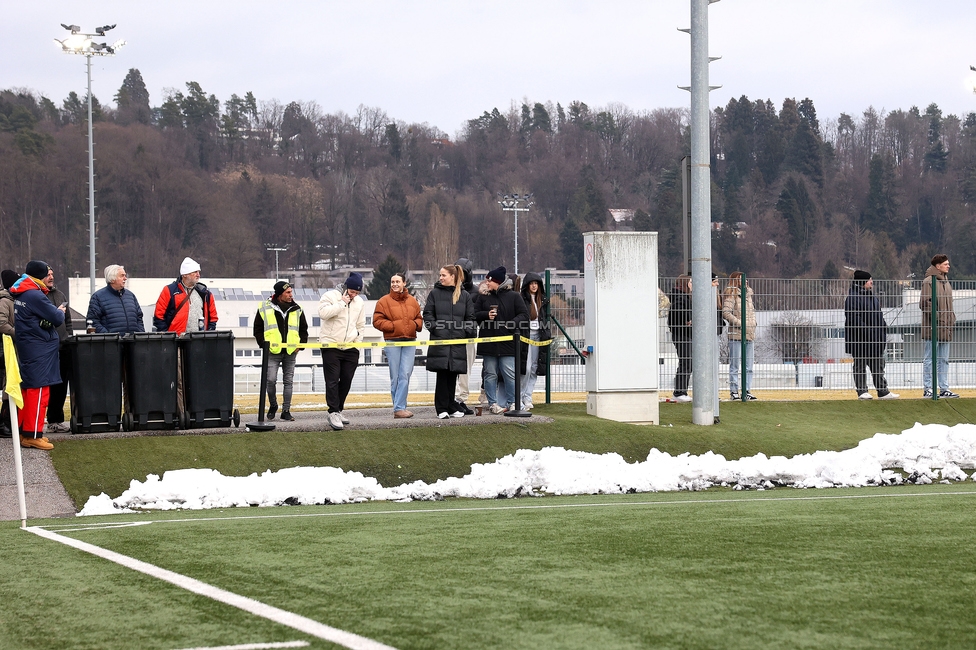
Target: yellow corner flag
13 371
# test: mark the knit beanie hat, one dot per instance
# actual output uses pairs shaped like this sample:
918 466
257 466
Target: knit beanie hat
37 269
280 287
496 275
188 266
8 277
354 282
861 276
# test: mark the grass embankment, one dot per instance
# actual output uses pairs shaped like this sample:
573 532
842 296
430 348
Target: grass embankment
395 456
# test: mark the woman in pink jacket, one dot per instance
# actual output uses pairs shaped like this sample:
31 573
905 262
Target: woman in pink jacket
397 315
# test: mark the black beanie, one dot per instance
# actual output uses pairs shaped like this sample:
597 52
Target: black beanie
861 276
37 269
496 275
8 277
280 287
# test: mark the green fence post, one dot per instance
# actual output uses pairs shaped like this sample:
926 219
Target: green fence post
549 351
742 327
935 340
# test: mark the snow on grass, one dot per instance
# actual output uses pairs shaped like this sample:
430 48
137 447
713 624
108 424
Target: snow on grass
925 453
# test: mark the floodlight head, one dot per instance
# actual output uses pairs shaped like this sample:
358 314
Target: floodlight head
117 44
74 29
101 30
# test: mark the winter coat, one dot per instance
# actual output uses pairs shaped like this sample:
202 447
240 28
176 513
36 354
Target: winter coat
545 333
397 315
341 322
173 308
679 315
37 336
57 297
466 266
512 317
946 318
732 312
6 314
281 313
112 311
865 329
445 319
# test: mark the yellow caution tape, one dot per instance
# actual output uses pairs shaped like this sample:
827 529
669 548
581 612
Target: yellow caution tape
538 344
400 344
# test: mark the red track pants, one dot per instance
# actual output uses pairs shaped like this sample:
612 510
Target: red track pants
31 417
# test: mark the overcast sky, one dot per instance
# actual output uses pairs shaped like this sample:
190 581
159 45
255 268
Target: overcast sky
446 61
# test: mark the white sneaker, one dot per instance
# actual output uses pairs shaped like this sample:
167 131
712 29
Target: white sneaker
496 409
457 414
335 421
682 398
342 417
444 415
865 396
527 406
889 396
57 427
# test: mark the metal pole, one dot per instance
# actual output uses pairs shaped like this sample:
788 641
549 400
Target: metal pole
549 349
935 339
515 410
91 188
516 244
742 325
702 307
261 425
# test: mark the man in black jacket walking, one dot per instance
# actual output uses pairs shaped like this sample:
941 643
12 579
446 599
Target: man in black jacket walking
865 336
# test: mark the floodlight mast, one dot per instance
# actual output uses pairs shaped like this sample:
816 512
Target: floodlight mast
81 43
516 203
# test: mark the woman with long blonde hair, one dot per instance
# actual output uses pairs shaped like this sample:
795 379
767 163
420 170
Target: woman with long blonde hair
732 313
448 314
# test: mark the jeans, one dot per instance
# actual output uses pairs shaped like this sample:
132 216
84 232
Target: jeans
735 356
489 379
942 366
531 369
287 363
401 367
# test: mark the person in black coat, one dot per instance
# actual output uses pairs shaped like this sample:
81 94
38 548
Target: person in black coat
59 391
865 336
462 392
535 359
501 312
448 314
679 322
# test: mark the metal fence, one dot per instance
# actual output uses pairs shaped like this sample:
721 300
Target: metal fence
799 341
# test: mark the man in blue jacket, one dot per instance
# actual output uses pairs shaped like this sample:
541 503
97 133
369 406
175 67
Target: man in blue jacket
37 350
113 309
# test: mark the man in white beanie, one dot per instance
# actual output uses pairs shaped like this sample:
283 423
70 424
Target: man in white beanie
185 305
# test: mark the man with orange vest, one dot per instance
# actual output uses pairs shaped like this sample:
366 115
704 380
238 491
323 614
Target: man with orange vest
280 322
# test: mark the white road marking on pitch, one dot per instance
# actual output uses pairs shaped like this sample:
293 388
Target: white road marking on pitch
551 506
255 646
294 621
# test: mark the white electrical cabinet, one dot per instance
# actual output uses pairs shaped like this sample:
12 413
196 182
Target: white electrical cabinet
620 271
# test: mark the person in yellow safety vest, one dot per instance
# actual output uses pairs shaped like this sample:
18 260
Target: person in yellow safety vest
281 323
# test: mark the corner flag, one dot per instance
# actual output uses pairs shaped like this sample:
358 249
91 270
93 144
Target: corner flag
13 371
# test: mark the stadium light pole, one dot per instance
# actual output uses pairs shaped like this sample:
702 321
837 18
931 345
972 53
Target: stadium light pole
516 203
276 249
84 44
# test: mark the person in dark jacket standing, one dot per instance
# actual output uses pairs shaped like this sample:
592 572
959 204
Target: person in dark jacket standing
679 322
37 350
280 322
945 323
448 314
501 312
866 336
113 308
397 315
535 359
59 391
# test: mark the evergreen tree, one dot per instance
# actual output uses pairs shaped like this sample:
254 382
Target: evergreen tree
379 286
936 158
394 142
798 210
133 100
879 214
571 244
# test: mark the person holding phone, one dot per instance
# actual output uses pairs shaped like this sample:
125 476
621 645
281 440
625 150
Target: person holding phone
343 320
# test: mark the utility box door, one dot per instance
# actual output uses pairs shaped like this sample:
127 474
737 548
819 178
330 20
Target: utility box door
621 311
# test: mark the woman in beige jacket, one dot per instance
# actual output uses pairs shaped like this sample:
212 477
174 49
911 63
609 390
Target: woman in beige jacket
732 313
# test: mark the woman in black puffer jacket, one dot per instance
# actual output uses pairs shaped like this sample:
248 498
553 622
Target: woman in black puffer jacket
679 322
448 314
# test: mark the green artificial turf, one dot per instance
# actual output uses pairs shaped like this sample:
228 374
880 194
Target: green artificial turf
870 568
393 456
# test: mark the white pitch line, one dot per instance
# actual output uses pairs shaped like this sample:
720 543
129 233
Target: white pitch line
294 621
255 646
541 506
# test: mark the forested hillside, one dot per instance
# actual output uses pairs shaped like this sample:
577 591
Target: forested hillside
796 195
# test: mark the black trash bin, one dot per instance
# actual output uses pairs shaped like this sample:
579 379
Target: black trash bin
151 371
208 380
96 382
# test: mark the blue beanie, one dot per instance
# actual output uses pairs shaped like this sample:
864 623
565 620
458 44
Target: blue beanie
354 282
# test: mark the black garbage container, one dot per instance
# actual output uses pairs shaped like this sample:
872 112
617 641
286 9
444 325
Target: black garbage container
96 382
151 370
208 380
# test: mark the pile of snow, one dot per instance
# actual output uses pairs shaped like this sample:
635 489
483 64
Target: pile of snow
925 453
